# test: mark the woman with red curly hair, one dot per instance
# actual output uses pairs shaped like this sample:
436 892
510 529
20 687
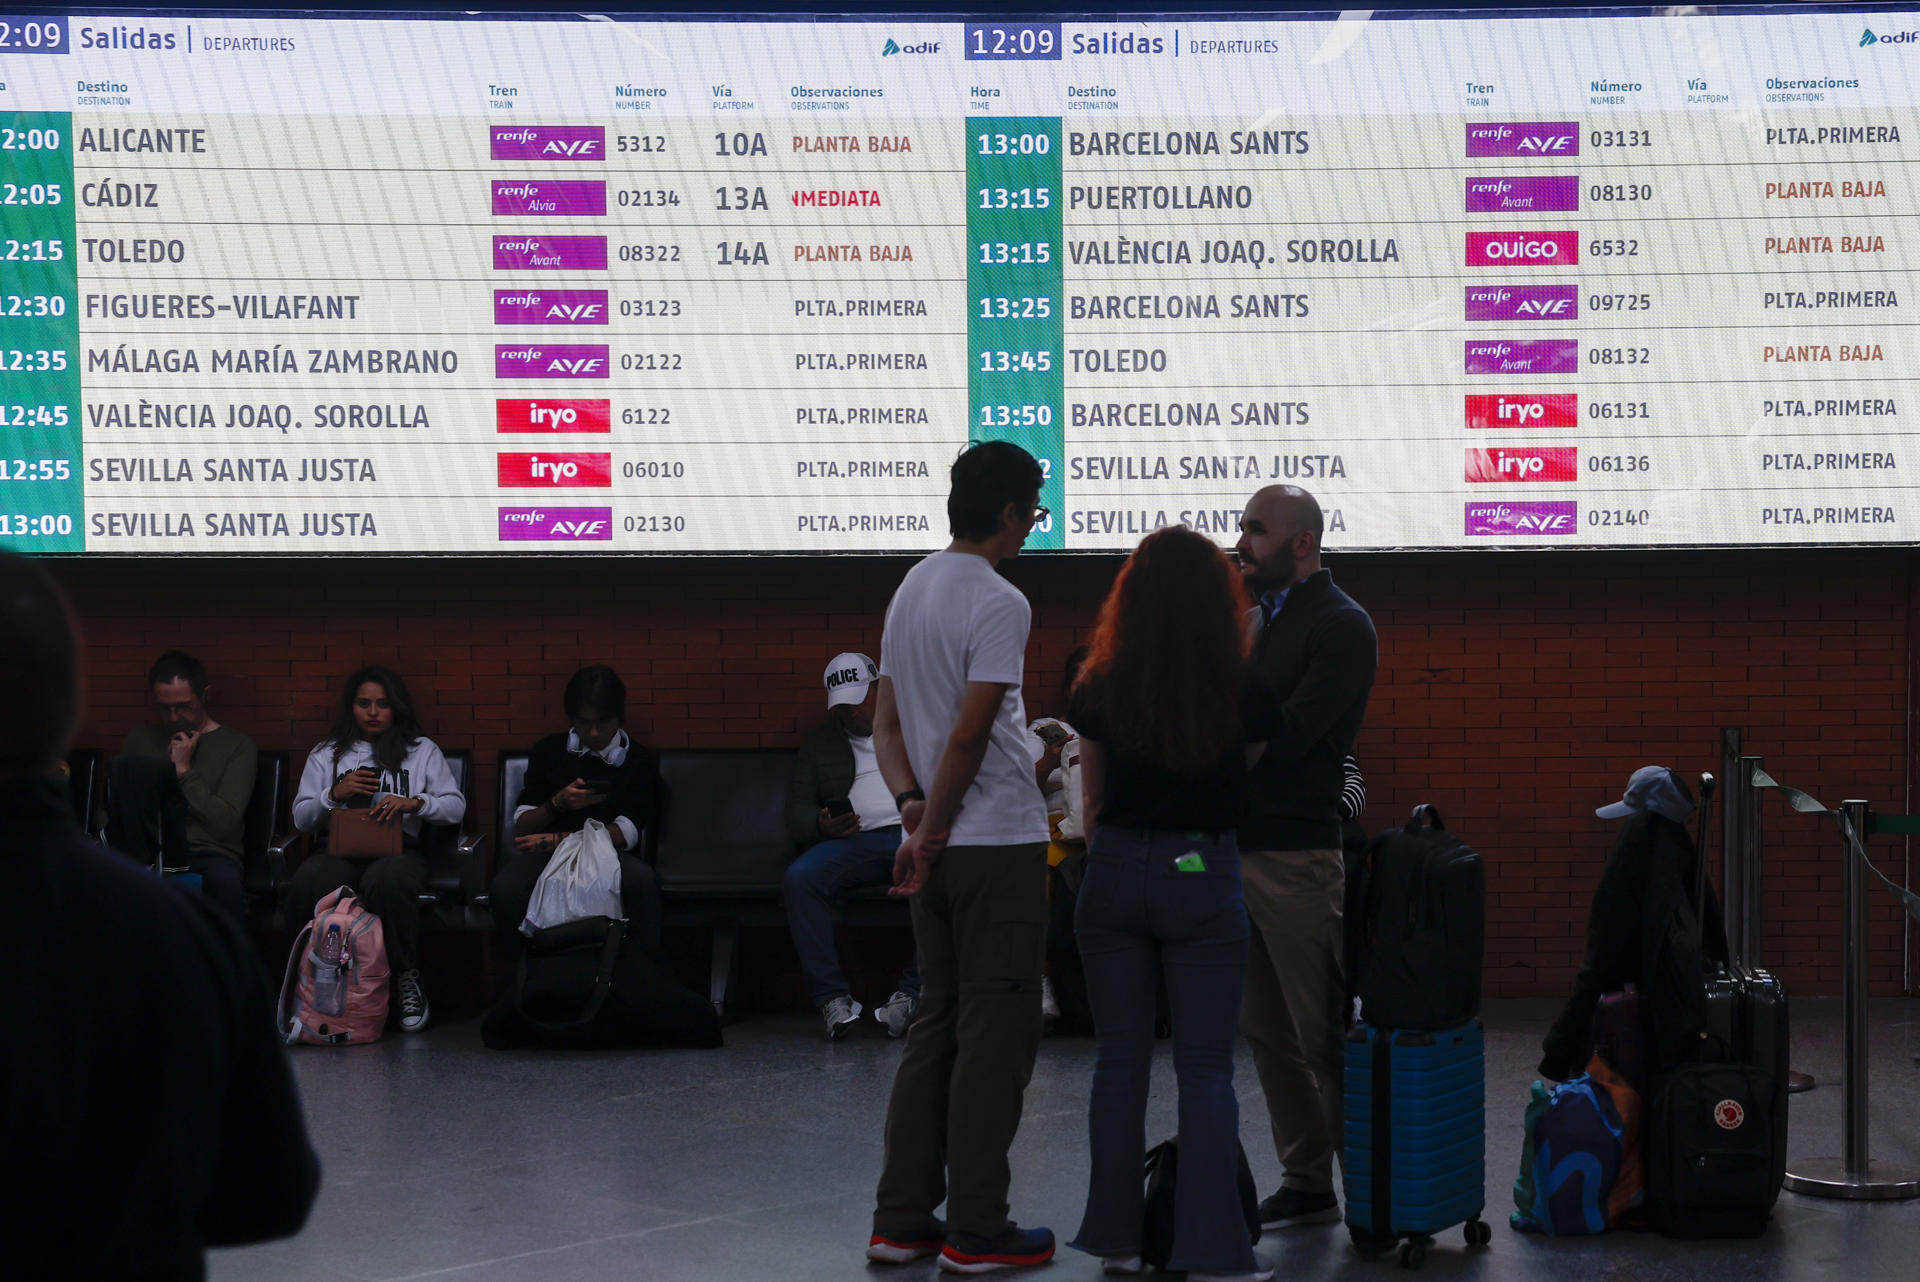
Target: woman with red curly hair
1167 707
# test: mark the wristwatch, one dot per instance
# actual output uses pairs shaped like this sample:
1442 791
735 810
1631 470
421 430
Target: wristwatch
911 794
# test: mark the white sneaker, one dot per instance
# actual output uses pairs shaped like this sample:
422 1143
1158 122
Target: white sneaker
1049 1005
897 1013
1123 1264
414 1010
839 1014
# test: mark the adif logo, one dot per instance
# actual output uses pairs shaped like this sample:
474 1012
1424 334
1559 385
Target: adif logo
1898 38
890 48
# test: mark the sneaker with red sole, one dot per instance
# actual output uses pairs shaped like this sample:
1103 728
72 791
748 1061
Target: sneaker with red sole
898 1248
1011 1248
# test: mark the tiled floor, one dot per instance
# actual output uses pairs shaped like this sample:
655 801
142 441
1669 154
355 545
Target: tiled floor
445 1160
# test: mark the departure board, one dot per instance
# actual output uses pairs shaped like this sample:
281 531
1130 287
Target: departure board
284 283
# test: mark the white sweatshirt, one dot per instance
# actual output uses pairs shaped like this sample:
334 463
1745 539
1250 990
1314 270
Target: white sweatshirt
423 774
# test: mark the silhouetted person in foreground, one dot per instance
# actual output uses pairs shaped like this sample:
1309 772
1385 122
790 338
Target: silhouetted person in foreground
146 1108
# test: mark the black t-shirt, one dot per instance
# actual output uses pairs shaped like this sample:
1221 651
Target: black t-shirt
632 788
1139 793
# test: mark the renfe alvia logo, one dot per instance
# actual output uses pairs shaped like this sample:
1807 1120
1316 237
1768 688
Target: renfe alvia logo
890 48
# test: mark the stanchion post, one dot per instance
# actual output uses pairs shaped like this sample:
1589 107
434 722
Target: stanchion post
1737 788
1851 1175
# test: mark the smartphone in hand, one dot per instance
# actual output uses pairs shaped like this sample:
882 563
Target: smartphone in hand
839 806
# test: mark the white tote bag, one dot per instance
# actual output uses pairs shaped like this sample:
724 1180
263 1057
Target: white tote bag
581 880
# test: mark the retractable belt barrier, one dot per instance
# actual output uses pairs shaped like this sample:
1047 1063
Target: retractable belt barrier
1852 1175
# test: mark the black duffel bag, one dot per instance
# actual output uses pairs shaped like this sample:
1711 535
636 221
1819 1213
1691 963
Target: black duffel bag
1163 1173
584 985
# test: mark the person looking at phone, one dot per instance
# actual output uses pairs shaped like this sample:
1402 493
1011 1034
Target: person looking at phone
841 816
593 769
215 765
376 758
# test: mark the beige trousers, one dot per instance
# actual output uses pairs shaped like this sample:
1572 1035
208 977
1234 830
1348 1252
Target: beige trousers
1293 1008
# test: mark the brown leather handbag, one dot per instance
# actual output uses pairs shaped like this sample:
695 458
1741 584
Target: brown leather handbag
353 834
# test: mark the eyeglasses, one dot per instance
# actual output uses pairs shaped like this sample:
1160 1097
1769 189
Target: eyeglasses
1040 513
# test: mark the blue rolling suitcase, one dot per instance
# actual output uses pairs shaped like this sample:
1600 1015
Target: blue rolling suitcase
1415 1160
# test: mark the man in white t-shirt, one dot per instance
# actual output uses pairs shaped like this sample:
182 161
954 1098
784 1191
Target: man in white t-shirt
840 814
951 729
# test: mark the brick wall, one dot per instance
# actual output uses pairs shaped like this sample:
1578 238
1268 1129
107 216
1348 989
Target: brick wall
1516 692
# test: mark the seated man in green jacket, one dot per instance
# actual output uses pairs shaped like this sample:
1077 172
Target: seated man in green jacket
840 814
215 764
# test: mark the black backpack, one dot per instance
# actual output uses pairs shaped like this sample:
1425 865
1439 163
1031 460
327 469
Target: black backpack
585 985
1421 931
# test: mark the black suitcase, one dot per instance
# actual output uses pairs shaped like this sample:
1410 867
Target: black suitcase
1717 1129
1422 899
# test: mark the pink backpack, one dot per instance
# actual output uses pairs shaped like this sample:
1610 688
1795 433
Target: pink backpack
324 1004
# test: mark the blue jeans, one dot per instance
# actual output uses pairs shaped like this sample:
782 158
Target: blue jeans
827 872
1140 917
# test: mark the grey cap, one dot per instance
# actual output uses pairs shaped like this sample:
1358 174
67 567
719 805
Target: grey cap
1654 789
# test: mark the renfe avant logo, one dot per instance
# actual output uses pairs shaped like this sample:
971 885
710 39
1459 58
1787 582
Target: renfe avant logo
1522 356
1522 302
549 306
1524 409
558 471
1529 519
1523 138
1559 194
1523 248
549 142
562 360
556 524
549 253
1523 463
542 414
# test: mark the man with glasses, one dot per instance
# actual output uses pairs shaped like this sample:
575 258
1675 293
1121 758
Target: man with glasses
950 728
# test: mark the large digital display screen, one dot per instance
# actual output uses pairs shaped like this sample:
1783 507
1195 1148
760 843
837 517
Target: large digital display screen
282 283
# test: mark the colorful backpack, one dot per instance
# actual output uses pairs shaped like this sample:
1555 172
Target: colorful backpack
329 1002
1581 1169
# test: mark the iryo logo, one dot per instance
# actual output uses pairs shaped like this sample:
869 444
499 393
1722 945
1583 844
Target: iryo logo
1522 302
1522 248
549 142
559 471
1520 409
549 306
556 524
1529 519
565 360
1537 463
1522 138
539 414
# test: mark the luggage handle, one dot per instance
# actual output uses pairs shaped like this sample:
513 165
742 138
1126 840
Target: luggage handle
1429 813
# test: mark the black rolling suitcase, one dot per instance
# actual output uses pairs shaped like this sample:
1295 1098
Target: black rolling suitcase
1717 1131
